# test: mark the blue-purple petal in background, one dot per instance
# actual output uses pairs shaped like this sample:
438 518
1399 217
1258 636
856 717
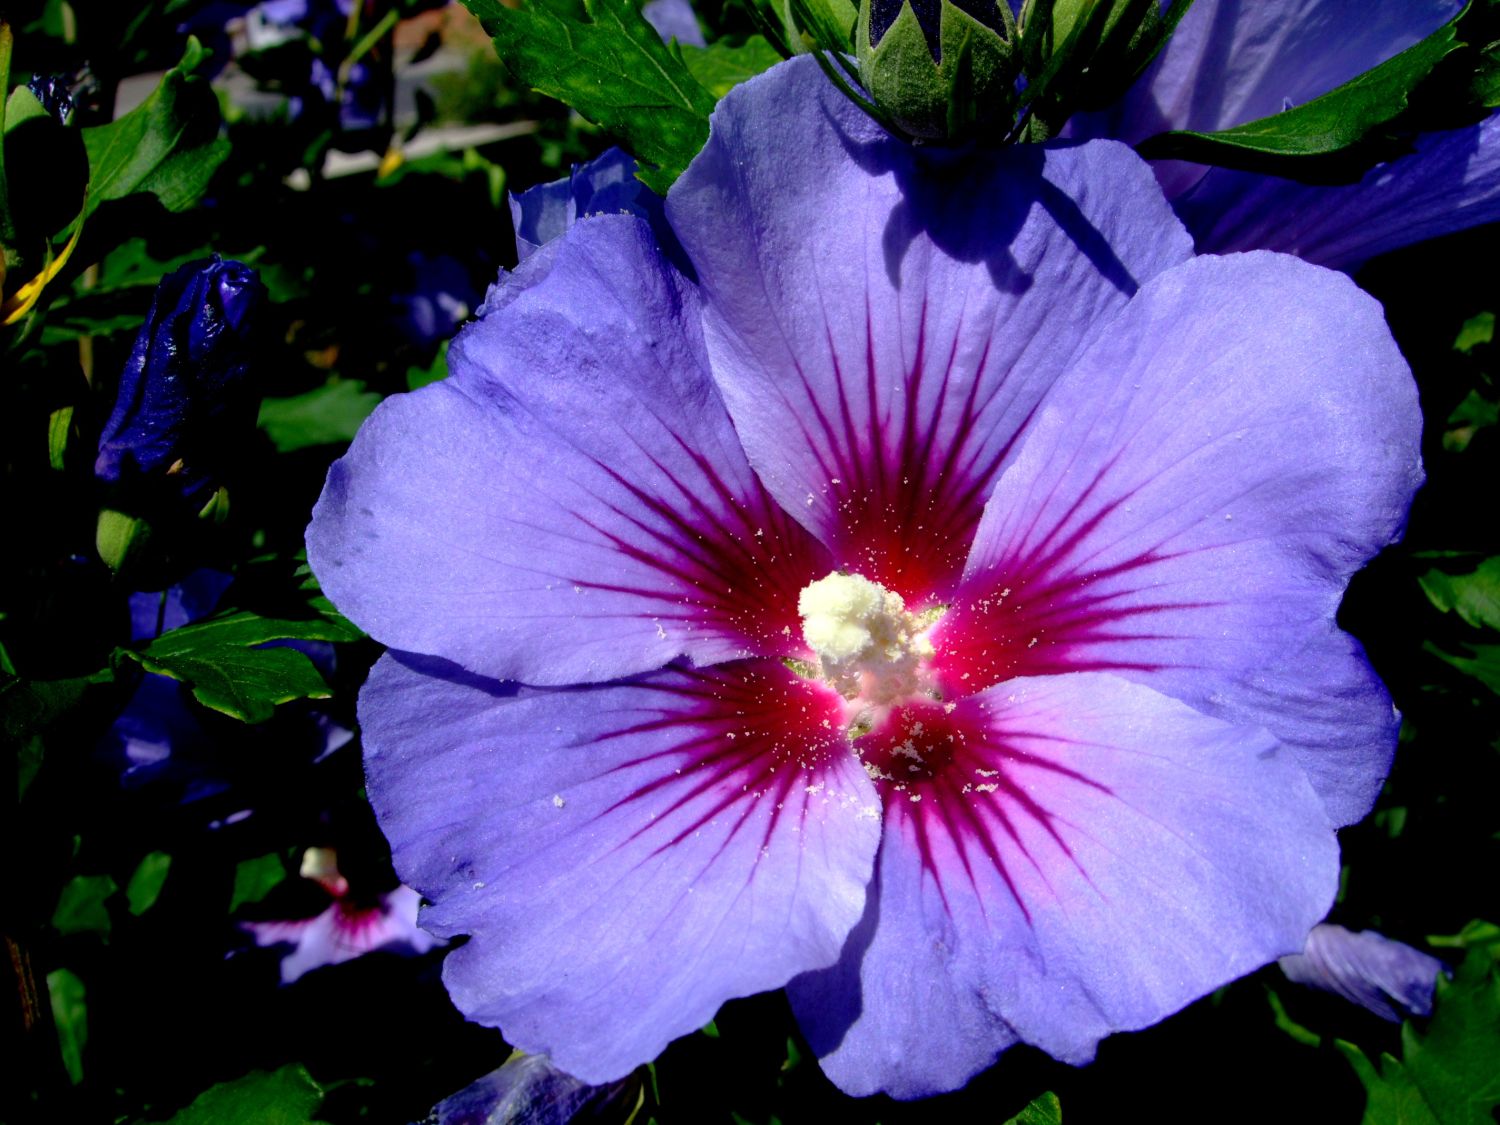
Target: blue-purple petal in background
1386 977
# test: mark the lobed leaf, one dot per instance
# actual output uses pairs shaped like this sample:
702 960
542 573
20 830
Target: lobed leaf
604 60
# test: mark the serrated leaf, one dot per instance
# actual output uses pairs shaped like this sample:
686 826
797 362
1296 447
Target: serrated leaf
604 60
169 145
1447 1073
720 67
1330 124
255 878
1475 596
288 1096
1044 1109
220 662
329 415
146 883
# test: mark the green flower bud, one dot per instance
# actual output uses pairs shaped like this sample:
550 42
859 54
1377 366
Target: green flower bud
937 70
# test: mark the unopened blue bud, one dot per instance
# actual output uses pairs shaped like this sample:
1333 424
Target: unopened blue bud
55 94
184 399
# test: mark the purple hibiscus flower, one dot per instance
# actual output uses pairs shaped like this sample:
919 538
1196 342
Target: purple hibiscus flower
1232 61
929 607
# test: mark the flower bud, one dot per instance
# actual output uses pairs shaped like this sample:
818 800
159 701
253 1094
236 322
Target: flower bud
1084 54
942 70
184 400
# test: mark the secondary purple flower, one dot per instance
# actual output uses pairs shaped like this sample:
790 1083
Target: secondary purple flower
930 607
349 928
1369 969
185 400
1232 62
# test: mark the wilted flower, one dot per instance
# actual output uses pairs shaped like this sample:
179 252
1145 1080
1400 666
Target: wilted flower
349 928
185 401
930 607
1367 969
1232 62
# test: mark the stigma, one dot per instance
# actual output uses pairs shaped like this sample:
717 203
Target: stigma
869 647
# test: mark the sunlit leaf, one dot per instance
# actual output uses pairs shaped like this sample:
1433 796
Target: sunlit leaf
603 59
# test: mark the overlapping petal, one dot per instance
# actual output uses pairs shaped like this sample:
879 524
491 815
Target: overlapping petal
624 858
570 505
1188 504
878 355
1450 181
1232 61
1088 857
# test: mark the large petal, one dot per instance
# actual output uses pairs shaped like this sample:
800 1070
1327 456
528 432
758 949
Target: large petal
882 320
1233 61
1449 183
571 504
1189 503
1090 857
625 858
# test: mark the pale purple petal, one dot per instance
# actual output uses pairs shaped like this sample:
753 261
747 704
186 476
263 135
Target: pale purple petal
624 858
345 931
1078 855
1449 183
881 323
1233 61
570 504
1188 504
1386 977
674 19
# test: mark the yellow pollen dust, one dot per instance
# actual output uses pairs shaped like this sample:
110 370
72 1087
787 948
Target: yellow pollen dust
868 645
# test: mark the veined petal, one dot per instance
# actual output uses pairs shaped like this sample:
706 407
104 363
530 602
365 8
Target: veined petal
1089 857
877 354
571 504
626 858
1451 182
1188 504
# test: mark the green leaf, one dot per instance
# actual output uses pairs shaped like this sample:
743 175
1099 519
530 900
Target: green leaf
329 415
70 1017
288 1096
220 661
145 885
603 59
1474 596
1483 664
22 105
1476 330
169 145
1330 124
254 879
80 907
720 67
1044 1109
417 377
1473 414
1447 1073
